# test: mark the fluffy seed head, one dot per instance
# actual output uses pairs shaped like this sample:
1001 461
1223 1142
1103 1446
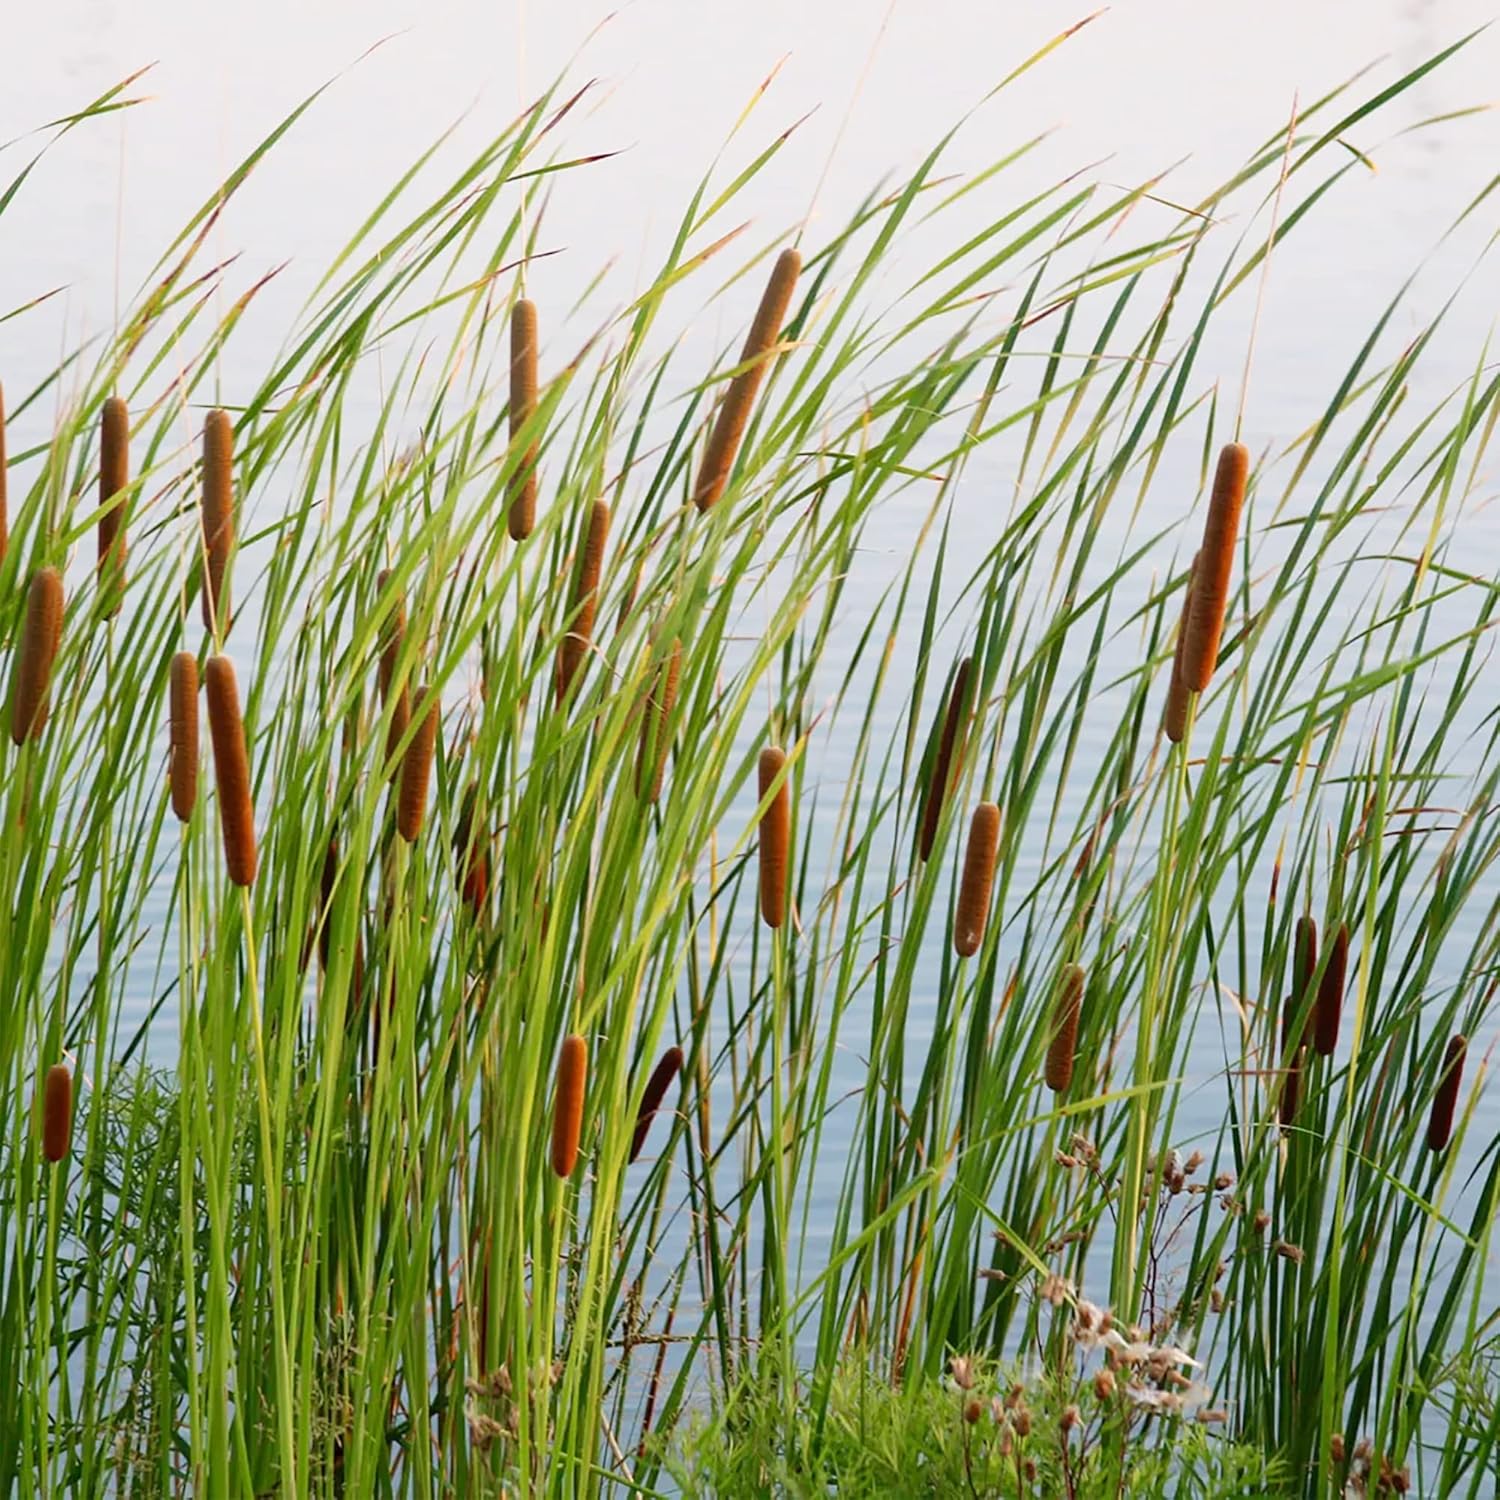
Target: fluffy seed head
1210 595
114 476
1174 717
954 719
523 341
739 400
218 515
416 770
1445 1099
656 1089
656 727
585 600
775 836
1065 1018
231 769
1331 994
57 1112
567 1104
41 635
182 748
979 874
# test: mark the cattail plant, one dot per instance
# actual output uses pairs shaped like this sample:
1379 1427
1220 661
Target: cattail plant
1174 717
523 341
979 874
470 853
416 770
57 1112
656 732
739 400
4 484
954 720
775 835
567 1105
392 637
656 1089
1331 994
114 476
31 673
231 770
218 516
1210 590
584 601
182 750
1065 1017
1445 1099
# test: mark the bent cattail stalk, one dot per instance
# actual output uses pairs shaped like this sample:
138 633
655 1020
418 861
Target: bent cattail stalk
739 400
1174 716
1210 594
182 756
656 730
4 483
57 1112
41 635
979 873
114 477
1331 994
585 600
1065 1018
523 339
218 516
775 836
231 770
1445 1100
567 1106
942 767
416 770
656 1089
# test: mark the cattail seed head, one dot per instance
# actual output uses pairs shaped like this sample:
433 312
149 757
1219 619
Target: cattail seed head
182 749
4 484
955 719
41 635
57 1112
1305 955
114 477
775 835
979 873
523 342
656 1089
231 769
567 1105
1065 1018
1174 717
471 853
656 727
1210 593
1331 994
585 600
416 770
218 516
1445 1099
739 400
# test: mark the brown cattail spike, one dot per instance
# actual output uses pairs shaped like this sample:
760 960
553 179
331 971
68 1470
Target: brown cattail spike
584 601
954 720
4 484
656 727
1065 1018
1210 595
523 341
739 400
1293 1029
1331 994
567 1106
231 770
1174 717
471 854
979 873
57 1112
114 477
41 635
1445 1100
182 751
775 835
218 516
416 770
656 1089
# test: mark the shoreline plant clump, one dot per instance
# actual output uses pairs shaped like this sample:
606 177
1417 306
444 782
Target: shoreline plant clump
620 1009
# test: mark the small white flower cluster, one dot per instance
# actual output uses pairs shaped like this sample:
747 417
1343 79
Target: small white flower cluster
1152 1373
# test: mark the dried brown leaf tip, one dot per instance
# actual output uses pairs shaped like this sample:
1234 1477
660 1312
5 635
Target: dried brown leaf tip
31 674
